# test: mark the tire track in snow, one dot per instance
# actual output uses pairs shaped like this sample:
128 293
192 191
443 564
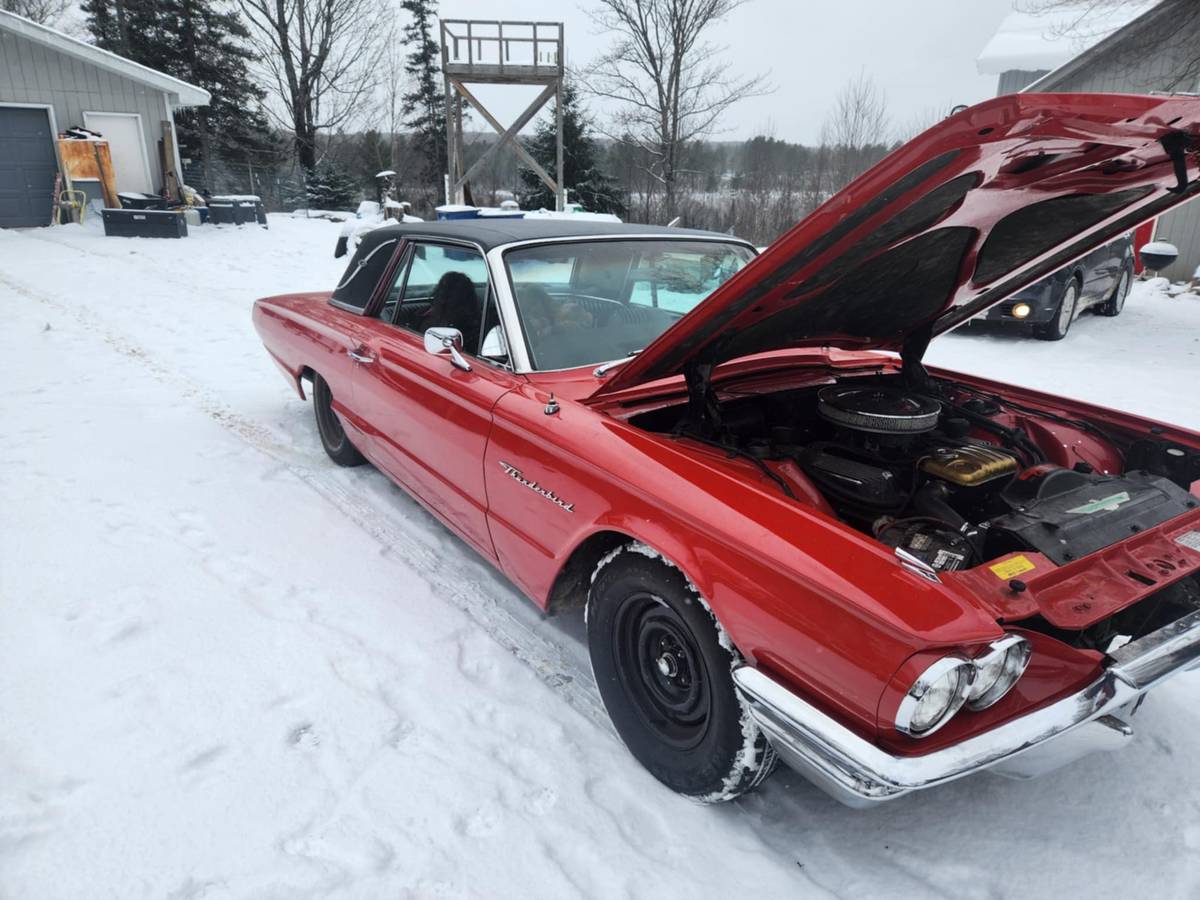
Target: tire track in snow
543 656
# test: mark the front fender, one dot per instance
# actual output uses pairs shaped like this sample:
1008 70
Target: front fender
799 593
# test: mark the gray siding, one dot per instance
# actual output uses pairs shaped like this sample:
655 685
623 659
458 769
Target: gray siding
1123 69
33 73
1015 79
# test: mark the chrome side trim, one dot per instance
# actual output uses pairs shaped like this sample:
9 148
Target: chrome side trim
859 773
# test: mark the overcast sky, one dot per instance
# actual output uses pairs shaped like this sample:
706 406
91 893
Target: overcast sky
922 52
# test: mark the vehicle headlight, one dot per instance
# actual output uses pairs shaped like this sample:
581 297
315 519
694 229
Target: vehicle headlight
998 670
1021 310
937 694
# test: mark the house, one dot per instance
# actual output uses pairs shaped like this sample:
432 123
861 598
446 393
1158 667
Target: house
1132 48
50 81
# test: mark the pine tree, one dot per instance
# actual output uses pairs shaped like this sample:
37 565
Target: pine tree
331 186
425 104
585 181
200 43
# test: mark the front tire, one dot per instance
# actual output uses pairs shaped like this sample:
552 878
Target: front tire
1064 314
666 679
329 426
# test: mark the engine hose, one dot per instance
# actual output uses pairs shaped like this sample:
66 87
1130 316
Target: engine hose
930 501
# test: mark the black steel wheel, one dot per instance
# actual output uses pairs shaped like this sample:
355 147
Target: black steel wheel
666 680
329 426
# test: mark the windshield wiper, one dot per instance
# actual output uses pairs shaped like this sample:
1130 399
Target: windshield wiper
604 368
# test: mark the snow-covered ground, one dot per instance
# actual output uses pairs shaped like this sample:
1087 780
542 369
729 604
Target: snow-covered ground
230 669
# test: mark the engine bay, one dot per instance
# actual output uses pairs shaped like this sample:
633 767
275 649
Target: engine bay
949 476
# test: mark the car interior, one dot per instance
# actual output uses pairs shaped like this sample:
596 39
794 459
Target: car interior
588 302
444 286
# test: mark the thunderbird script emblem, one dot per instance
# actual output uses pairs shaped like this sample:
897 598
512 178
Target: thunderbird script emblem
515 474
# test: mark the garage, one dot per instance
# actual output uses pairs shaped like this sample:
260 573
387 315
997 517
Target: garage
27 166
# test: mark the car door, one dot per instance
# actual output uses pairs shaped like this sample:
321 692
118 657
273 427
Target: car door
428 419
1097 275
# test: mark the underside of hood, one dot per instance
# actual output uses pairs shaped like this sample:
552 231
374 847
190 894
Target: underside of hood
979 206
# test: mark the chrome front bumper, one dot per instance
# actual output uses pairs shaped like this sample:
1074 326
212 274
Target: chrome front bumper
859 773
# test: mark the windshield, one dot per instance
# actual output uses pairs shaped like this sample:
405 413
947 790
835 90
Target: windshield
594 301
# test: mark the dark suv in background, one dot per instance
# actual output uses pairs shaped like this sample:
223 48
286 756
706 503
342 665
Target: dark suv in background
1098 281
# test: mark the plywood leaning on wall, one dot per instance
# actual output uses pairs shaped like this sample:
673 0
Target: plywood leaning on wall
90 160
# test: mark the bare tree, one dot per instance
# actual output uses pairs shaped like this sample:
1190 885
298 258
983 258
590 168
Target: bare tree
1170 32
855 133
320 58
44 12
669 82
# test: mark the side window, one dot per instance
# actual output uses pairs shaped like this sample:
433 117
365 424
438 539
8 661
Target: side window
442 286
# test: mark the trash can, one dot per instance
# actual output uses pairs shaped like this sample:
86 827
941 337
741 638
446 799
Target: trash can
237 210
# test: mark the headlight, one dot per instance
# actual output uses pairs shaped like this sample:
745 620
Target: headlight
937 694
998 670
1021 310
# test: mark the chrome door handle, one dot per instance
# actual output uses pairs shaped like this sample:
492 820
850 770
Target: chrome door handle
360 357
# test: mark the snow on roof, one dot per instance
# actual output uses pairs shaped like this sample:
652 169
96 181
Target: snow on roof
181 93
1031 41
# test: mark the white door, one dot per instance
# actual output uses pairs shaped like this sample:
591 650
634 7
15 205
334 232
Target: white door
127 146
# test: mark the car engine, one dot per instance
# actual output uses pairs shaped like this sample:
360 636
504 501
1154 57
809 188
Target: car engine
910 470
937 475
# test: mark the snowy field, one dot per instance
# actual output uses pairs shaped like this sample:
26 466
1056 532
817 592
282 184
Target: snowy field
230 669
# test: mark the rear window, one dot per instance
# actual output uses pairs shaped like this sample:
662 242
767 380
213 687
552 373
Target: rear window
362 275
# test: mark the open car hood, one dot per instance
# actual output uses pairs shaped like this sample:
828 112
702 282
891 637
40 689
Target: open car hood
982 204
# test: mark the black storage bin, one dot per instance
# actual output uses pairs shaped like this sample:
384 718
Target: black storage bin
238 210
144 223
134 200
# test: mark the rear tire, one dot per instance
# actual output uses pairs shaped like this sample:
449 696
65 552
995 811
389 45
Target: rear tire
666 680
329 426
1115 303
1064 314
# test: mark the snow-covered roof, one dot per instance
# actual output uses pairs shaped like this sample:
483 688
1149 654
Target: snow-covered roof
181 93
1031 41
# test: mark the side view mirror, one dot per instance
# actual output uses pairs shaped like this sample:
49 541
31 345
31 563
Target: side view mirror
447 341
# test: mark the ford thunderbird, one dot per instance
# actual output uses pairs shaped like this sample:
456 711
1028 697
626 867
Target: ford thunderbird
791 537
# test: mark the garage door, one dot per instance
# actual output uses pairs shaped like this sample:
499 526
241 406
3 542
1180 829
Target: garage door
27 167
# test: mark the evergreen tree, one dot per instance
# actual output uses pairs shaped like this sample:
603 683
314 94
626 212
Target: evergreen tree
585 181
331 186
201 43
425 105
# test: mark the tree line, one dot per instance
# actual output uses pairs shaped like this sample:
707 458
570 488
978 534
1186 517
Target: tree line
339 90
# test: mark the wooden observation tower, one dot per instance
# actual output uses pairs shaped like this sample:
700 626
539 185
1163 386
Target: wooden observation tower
482 52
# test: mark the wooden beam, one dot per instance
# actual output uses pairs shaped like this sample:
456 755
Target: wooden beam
507 134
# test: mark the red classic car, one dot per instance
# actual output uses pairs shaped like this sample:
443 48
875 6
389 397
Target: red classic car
793 539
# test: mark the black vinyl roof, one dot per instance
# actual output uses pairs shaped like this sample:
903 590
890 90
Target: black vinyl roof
490 233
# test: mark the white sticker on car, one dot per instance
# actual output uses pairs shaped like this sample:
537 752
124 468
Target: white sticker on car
1190 539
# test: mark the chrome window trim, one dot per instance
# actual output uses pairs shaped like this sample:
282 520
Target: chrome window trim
519 350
